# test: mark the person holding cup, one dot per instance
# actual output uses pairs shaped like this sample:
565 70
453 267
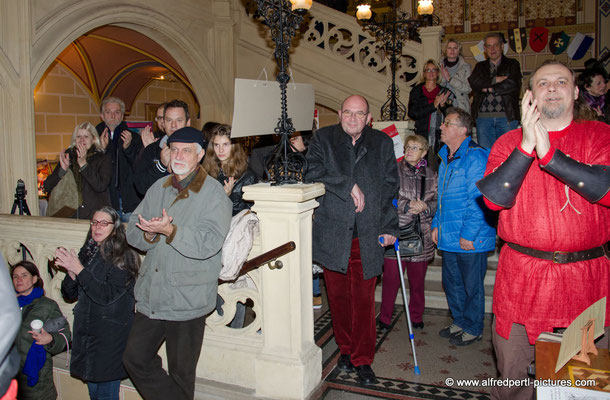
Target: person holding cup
35 377
102 278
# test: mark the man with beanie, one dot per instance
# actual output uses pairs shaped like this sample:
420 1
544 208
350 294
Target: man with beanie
181 224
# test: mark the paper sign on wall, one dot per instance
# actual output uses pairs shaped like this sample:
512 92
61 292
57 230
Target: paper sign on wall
258 107
399 150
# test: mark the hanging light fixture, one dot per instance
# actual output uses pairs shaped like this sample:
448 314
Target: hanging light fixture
392 30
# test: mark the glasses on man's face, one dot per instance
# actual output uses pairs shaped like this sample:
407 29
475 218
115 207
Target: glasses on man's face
448 123
414 148
429 70
492 46
348 114
95 222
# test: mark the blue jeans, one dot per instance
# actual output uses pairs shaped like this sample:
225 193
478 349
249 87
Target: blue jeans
316 285
104 390
463 275
490 129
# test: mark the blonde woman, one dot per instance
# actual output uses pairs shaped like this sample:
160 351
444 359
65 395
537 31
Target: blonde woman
455 73
91 168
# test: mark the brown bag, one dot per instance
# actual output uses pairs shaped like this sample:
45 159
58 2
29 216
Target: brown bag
63 200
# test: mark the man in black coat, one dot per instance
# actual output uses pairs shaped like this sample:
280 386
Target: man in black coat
153 163
123 146
496 85
358 168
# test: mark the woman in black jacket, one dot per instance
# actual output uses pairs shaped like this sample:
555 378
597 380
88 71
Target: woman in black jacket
228 163
91 168
102 278
427 102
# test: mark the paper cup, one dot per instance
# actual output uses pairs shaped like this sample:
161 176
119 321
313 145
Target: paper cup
36 325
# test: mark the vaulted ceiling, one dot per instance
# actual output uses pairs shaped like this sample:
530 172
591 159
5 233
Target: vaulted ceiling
115 61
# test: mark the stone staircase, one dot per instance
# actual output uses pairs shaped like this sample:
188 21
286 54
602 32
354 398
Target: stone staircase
435 296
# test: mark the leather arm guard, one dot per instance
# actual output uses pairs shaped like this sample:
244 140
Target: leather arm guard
502 185
590 181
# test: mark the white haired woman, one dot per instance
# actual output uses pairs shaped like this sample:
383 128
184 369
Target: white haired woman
91 168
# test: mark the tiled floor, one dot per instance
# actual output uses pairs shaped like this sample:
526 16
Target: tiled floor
394 364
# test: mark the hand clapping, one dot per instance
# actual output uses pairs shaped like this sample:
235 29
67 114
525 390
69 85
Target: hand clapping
155 225
69 260
535 135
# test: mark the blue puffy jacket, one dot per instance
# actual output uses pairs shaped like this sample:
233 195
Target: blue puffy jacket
461 211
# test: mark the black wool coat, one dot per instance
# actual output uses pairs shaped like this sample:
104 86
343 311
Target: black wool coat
333 162
123 161
102 317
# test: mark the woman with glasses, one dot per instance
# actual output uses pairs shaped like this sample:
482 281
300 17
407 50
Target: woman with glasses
84 173
593 87
454 74
427 102
412 170
101 277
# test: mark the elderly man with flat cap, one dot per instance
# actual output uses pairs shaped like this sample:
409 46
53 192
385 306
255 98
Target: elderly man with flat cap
181 225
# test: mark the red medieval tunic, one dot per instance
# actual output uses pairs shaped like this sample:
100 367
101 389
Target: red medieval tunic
548 216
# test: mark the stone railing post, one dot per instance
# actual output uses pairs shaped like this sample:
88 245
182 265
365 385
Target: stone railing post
431 37
289 365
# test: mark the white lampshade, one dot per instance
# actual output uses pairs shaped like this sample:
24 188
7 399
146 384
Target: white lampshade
364 11
301 4
425 7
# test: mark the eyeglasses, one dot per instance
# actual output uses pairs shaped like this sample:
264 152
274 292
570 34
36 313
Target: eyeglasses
348 114
428 70
95 222
448 123
492 46
414 148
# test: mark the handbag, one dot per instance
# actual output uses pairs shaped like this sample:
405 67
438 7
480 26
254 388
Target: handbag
410 236
63 199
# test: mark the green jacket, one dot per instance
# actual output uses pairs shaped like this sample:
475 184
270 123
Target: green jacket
43 309
178 279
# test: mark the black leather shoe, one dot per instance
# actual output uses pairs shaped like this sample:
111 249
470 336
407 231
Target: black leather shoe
366 376
383 326
417 325
345 363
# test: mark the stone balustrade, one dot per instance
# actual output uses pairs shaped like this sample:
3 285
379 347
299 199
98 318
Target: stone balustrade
274 355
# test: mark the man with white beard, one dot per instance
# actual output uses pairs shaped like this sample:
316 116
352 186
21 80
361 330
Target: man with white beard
181 224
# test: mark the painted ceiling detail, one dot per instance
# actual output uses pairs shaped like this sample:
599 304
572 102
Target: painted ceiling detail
115 61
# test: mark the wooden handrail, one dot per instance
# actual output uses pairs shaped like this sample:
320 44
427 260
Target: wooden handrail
266 258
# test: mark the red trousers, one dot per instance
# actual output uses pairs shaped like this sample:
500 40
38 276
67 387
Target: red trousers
352 307
416 272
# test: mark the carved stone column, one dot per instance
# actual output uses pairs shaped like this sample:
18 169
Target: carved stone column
289 365
431 43
18 159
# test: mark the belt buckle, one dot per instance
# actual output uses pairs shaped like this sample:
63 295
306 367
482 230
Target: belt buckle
555 254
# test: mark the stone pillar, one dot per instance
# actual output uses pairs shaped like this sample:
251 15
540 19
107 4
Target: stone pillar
431 43
18 159
289 365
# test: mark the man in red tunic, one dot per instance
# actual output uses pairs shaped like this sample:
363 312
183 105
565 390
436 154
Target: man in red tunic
550 180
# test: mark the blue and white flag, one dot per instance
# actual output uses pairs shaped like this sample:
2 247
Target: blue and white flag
579 46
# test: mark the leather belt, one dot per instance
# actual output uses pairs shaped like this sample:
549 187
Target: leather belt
564 257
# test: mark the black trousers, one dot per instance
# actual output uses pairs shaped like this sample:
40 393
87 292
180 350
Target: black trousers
183 341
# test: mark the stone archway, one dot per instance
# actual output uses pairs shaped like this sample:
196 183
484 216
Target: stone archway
63 26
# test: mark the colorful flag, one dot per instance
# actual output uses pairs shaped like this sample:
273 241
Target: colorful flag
559 42
517 39
539 37
478 51
579 46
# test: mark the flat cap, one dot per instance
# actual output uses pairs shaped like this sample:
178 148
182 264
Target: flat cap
187 135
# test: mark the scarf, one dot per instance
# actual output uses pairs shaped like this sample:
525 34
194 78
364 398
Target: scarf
37 355
594 101
450 64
